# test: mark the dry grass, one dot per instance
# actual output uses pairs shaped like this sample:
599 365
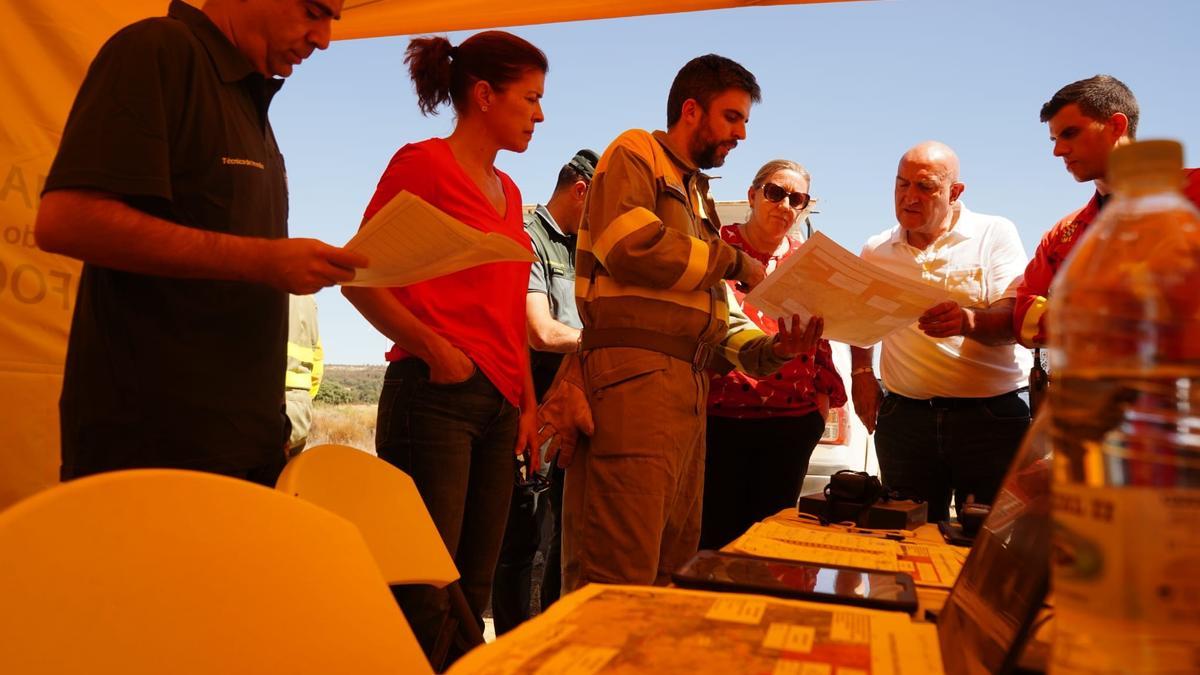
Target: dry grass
349 424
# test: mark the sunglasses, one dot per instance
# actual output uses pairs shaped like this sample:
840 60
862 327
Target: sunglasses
774 193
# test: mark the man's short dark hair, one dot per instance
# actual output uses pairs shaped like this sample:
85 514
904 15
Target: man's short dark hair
703 79
1098 97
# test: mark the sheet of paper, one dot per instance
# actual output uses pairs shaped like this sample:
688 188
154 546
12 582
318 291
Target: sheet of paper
821 553
822 546
860 302
411 240
790 638
932 565
738 609
670 631
935 566
821 536
790 517
783 667
850 628
578 660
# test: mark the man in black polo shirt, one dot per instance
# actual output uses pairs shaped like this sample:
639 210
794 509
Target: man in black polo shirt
169 186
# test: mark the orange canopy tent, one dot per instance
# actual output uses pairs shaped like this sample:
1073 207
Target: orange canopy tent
46 51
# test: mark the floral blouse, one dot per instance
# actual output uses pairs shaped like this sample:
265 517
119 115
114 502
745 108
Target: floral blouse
792 390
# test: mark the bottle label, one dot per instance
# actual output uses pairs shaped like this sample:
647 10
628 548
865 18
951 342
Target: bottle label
1126 570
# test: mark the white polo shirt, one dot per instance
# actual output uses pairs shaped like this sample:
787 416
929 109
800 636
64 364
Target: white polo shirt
977 261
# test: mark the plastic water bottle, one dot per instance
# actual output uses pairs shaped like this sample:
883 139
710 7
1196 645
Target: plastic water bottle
1124 323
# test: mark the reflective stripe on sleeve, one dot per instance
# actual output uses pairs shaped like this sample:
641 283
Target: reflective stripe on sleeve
731 347
1031 325
697 265
300 352
298 381
606 287
622 226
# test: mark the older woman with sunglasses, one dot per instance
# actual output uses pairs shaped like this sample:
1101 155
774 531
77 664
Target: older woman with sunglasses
761 432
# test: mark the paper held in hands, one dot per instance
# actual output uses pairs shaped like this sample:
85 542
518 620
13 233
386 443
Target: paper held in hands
411 240
860 302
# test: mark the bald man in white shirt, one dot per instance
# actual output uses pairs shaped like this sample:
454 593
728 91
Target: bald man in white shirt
953 406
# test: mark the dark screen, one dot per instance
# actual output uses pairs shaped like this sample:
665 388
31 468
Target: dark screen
848 583
1004 581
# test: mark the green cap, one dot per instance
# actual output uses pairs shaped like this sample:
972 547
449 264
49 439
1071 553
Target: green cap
584 163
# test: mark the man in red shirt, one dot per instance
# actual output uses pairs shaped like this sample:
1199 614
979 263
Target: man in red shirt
1087 120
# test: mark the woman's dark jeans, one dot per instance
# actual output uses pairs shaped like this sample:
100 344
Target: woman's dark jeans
456 441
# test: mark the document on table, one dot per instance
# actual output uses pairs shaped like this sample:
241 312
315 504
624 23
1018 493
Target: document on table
929 565
411 240
770 540
936 566
860 302
671 631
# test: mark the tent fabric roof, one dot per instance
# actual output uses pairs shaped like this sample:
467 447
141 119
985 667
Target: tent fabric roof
377 18
373 18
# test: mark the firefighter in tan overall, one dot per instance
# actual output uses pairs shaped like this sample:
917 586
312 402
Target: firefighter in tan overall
650 286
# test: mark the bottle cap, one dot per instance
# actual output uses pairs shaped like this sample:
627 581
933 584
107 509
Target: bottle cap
1145 158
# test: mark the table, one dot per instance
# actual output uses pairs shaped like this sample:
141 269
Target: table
640 629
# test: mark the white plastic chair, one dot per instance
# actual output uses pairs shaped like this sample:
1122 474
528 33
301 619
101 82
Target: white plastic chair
152 571
384 503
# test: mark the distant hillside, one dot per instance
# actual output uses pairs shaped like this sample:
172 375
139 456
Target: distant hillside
351 384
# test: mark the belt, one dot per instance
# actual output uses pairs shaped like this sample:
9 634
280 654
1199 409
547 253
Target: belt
948 403
688 350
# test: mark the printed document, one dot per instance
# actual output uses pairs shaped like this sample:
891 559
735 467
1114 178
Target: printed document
860 302
771 540
411 240
670 631
930 564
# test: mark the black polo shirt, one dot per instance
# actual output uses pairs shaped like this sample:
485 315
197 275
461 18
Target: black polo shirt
172 119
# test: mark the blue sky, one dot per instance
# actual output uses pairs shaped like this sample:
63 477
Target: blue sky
847 87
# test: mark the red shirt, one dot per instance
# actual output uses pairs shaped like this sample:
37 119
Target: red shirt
480 310
1029 312
792 390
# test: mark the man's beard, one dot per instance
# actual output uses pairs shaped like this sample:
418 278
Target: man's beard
707 157
706 150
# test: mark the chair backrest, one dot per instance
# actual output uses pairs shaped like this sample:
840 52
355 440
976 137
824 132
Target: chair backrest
385 505
152 571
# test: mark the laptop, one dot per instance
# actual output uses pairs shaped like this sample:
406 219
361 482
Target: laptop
990 614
